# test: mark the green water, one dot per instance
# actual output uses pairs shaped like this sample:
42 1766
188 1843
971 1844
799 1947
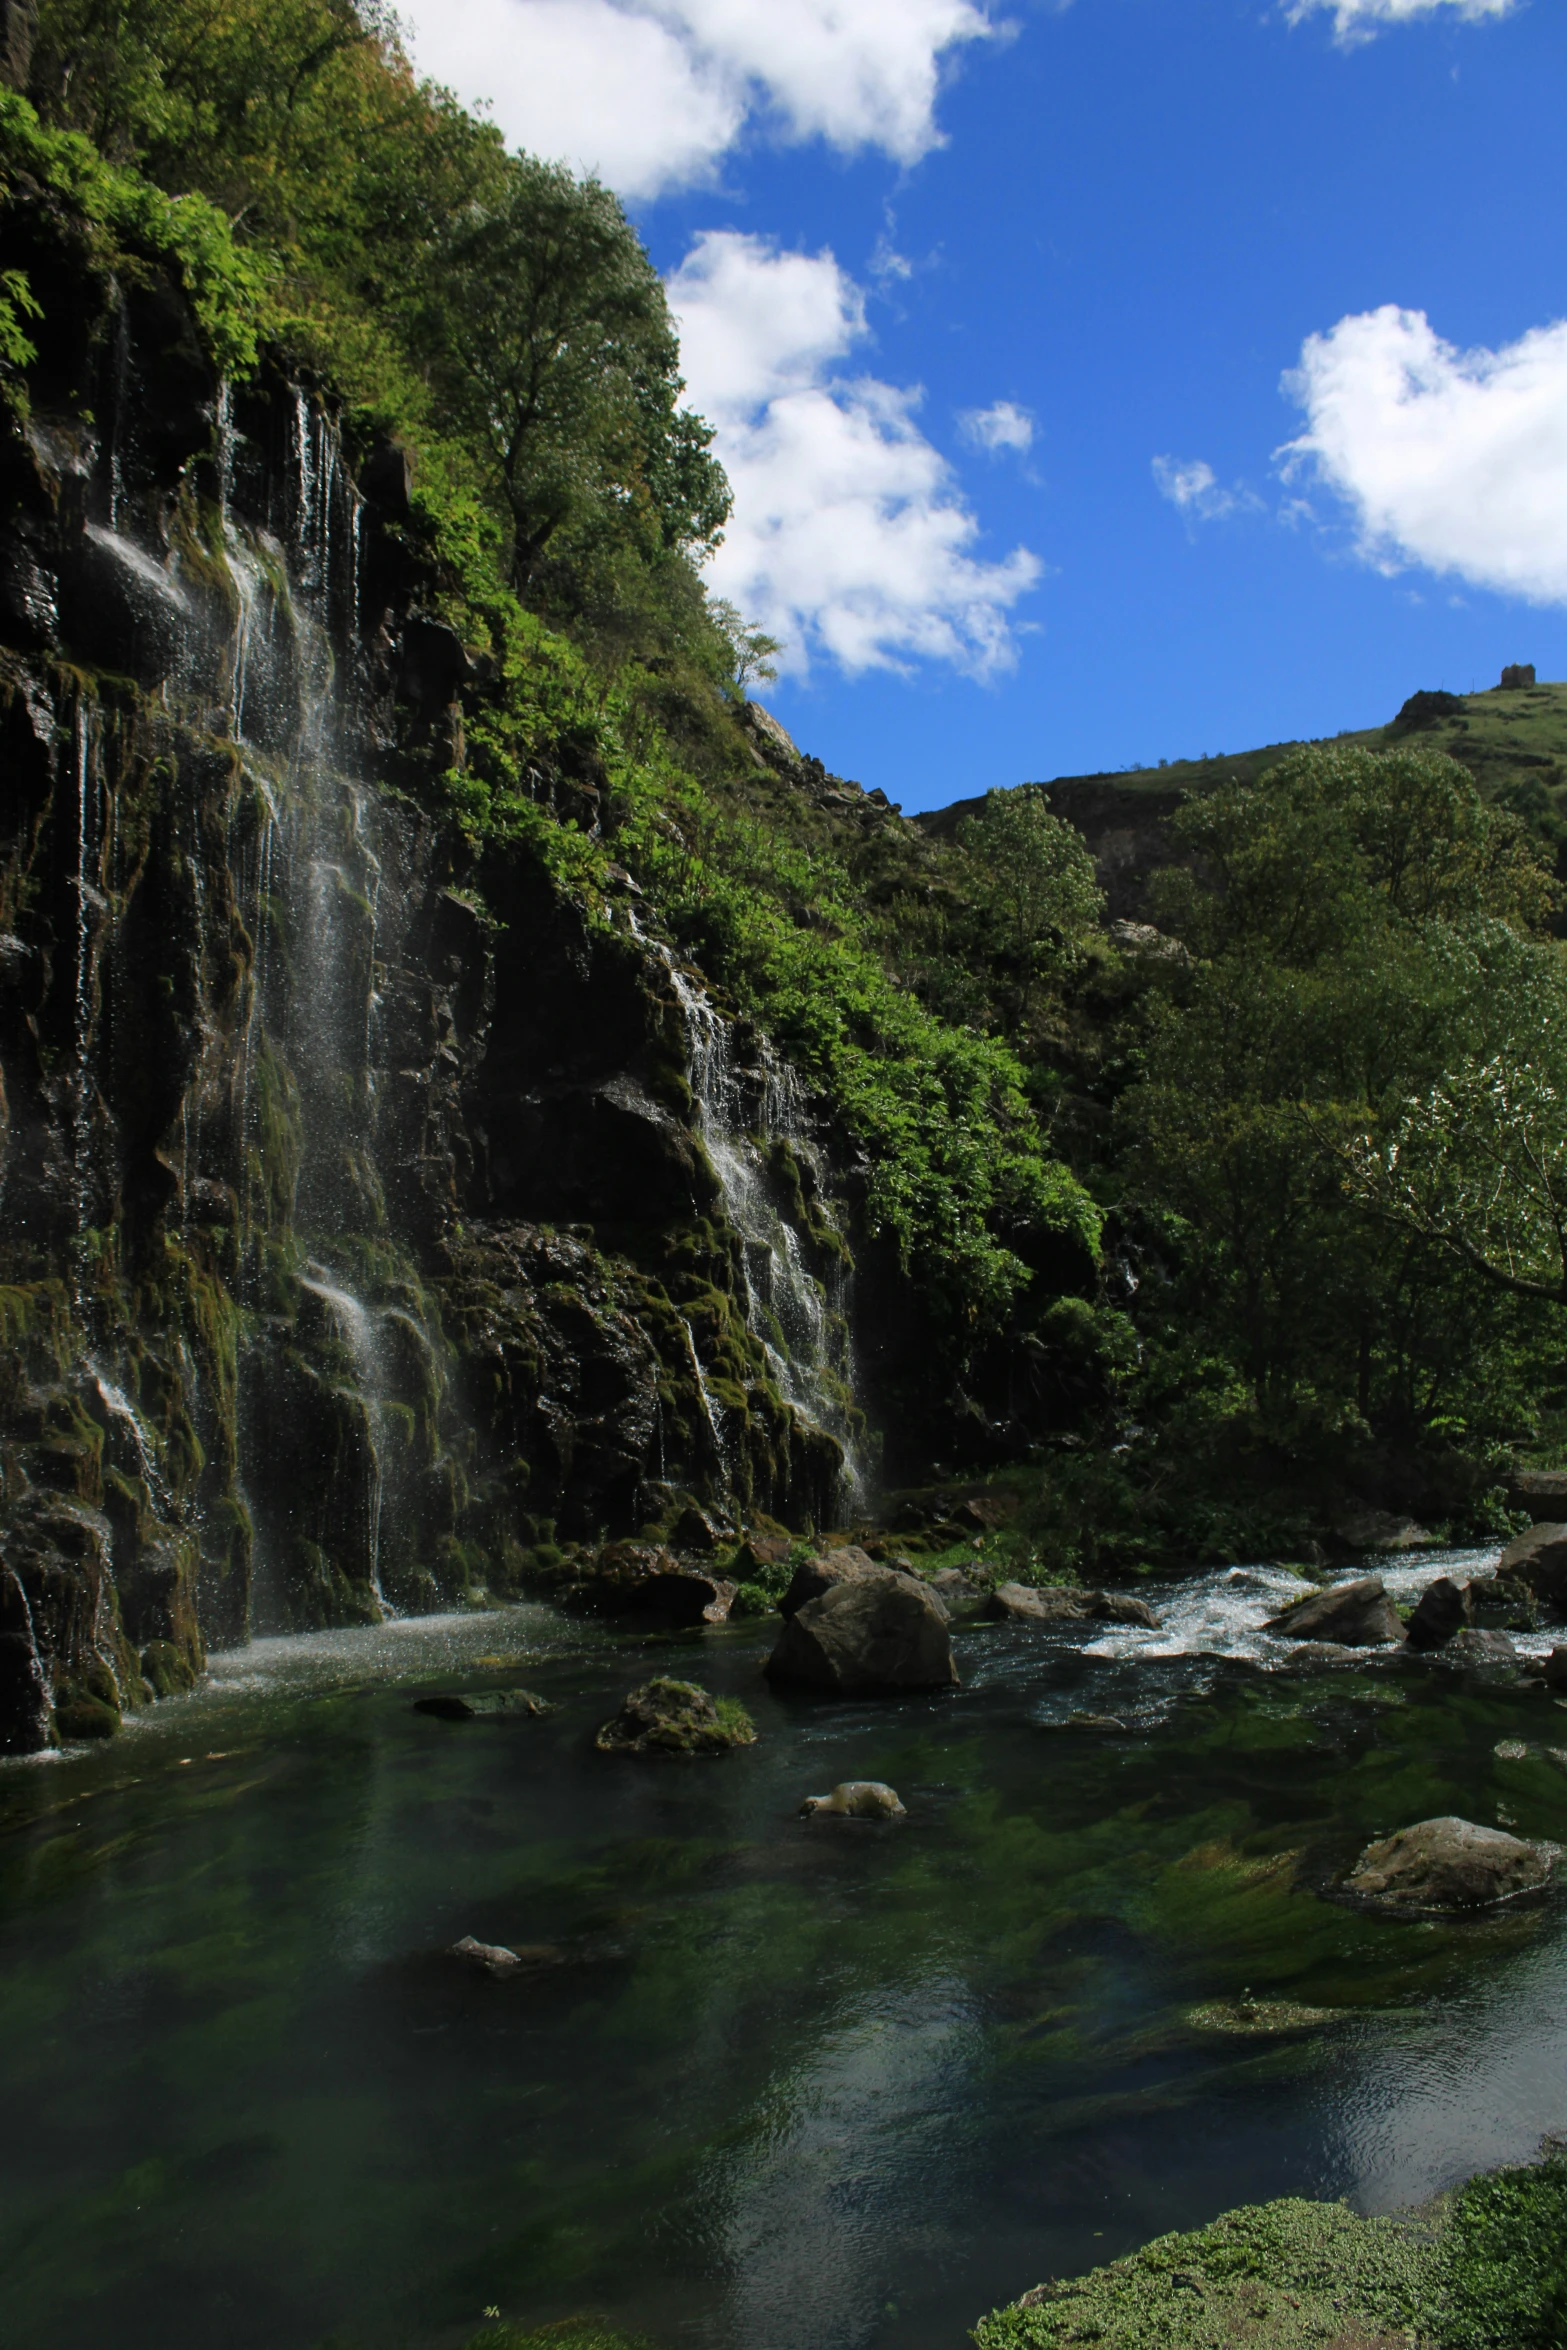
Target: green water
775 2084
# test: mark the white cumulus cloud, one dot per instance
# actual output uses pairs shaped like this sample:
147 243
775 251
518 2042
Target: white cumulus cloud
652 93
1003 426
1361 20
849 537
1452 459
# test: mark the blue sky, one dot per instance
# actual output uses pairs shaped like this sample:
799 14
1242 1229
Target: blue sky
1107 230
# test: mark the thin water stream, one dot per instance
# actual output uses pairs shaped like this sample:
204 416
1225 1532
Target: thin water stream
766 2083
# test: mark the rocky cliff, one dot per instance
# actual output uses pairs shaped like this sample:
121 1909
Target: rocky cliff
373 1218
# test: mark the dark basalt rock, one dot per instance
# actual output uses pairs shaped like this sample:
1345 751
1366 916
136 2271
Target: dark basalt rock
1444 1608
1354 1615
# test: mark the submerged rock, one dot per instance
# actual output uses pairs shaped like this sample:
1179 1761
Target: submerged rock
855 1799
1354 1615
493 1957
676 1717
1445 1607
476 1705
878 1632
1450 1864
1474 1645
1059 1602
1538 1562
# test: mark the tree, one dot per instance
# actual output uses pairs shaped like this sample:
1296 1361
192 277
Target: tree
1034 880
554 342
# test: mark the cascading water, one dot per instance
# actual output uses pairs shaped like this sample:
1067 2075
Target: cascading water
787 1308
356 1330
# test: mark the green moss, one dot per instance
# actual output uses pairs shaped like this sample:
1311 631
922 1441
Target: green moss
78 1715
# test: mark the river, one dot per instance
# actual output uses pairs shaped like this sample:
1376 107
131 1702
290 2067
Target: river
769 2083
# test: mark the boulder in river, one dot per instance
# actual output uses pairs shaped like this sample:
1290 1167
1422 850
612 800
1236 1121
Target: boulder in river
875 1633
1538 1561
644 1579
1354 1615
1445 1607
855 1799
825 1572
1055 1603
1450 1864
493 1957
676 1717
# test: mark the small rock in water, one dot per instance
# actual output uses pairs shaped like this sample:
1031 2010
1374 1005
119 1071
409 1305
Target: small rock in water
475 1705
675 1717
1510 1750
494 1957
1355 1615
1096 1722
856 1799
1312 1653
1450 1864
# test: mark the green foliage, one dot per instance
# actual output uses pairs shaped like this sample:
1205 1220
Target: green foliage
227 285
1036 880
1485 2270
1359 924
1505 2272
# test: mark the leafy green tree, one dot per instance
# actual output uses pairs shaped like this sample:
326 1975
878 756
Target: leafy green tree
558 350
1345 918
1034 888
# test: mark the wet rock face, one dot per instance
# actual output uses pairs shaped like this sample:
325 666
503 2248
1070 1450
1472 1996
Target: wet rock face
297 1096
871 1635
1354 1615
1450 1864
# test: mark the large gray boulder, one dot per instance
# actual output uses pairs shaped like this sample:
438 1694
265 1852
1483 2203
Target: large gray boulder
1354 1615
1538 1561
825 1572
869 1634
1055 1603
1450 1864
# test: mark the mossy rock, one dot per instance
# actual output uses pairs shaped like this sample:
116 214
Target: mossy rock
78 1717
167 1668
676 1717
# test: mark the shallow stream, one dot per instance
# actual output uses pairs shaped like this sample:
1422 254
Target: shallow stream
770 2083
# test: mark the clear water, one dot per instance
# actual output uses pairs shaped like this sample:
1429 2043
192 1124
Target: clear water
785 2084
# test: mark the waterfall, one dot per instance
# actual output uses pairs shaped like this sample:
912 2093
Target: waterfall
86 894
787 1309
357 1333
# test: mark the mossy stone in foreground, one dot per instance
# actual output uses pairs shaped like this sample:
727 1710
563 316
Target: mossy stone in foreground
676 1717
1484 2269
1278 2276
